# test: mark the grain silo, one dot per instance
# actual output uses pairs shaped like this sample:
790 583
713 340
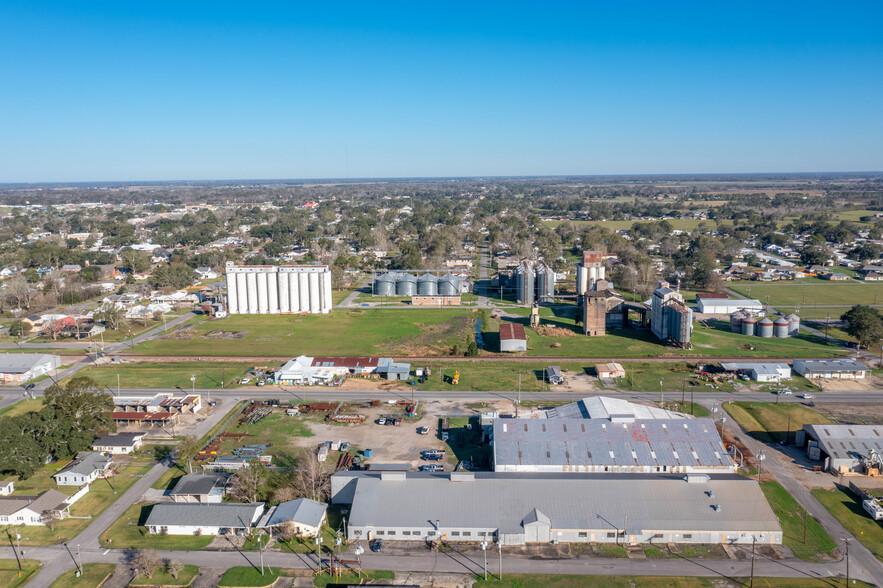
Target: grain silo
267 289
427 285
780 327
406 285
736 319
764 328
794 324
545 283
384 285
448 285
748 325
524 283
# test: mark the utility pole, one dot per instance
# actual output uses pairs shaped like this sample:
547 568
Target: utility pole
752 562
847 560
118 383
500 545
826 327
484 551
18 551
261 550
760 457
661 402
805 519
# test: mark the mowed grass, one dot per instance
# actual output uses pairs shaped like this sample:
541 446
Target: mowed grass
487 375
342 332
678 379
353 579
769 422
93 575
792 295
209 374
129 532
808 313
11 577
22 406
847 508
249 576
818 546
550 581
163 578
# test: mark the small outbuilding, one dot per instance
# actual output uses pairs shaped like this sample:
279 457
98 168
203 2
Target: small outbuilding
609 371
512 337
304 515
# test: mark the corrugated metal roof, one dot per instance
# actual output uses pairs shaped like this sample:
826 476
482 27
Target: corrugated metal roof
831 365
204 515
603 407
192 484
570 501
20 363
590 442
847 441
303 511
512 331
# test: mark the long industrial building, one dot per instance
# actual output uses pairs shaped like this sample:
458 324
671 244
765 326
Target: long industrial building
515 509
268 289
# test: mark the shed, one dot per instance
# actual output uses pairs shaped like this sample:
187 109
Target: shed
607 371
398 371
553 374
512 337
305 515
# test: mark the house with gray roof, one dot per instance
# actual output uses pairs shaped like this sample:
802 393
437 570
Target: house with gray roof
119 443
516 509
28 510
85 469
18 368
207 488
203 519
305 515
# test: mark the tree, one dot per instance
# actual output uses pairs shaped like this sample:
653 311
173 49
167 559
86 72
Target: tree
111 314
864 323
311 480
176 275
19 329
174 568
136 261
50 518
186 451
83 403
249 482
147 561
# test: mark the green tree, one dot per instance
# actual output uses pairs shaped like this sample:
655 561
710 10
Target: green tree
19 329
186 451
864 323
81 401
110 314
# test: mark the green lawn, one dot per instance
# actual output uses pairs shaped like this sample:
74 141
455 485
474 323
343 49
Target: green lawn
277 430
847 508
22 406
249 576
797 294
129 532
102 493
769 422
209 374
163 578
93 576
11 577
549 581
818 546
353 579
342 332
678 379
489 375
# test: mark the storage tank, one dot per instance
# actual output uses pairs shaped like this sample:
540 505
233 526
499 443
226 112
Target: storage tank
582 280
764 328
232 298
780 327
545 282
326 291
303 288
448 285
406 285
794 324
524 284
242 293
736 319
284 300
273 292
294 292
314 291
384 285
251 282
748 325
427 285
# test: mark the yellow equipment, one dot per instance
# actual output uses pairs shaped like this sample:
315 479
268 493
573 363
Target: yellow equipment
456 379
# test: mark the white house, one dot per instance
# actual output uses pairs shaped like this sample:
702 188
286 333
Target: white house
119 444
204 519
7 487
305 515
85 469
206 273
208 488
28 510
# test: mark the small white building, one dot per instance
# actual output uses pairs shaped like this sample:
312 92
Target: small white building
726 305
7 487
119 444
207 488
204 519
305 515
85 469
831 369
18 368
760 372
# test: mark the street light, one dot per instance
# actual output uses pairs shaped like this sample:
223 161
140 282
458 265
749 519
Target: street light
760 457
359 551
260 549
484 551
500 546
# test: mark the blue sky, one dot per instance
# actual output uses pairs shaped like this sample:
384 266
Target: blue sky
187 90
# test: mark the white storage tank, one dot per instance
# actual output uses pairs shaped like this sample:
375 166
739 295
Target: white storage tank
232 298
294 292
263 301
251 281
406 285
384 285
448 285
241 293
314 292
273 292
427 285
794 324
284 302
303 286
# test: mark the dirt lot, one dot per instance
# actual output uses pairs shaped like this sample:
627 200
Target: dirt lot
864 413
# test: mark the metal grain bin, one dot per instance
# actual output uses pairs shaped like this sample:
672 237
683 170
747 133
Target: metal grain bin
427 285
748 325
736 319
406 285
384 285
794 324
764 328
780 327
448 285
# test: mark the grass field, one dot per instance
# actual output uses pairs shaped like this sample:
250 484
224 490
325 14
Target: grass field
11 577
354 579
209 374
796 294
808 313
129 532
818 546
549 581
342 332
276 430
93 576
163 578
678 379
22 406
248 576
847 508
770 422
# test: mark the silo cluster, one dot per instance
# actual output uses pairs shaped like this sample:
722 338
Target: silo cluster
406 284
267 289
427 285
448 285
745 323
384 285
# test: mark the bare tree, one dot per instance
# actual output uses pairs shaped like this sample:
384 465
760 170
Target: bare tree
147 561
311 480
186 451
174 567
249 481
50 518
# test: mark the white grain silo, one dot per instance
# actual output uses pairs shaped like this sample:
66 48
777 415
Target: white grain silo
242 293
284 302
314 292
263 300
303 284
272 293
232 298
251 281
326 291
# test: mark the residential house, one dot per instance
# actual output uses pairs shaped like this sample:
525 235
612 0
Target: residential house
304 515
7 487
119 444
85 469
31 510
203 519
71 268
206 273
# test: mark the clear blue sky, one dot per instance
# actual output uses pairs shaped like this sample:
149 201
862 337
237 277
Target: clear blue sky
152 90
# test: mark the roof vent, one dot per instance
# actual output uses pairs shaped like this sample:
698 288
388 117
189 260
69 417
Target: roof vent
393 476
462 476
697 478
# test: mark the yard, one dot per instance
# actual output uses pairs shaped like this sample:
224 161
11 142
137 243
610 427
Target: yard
678 379
93 575
277 430
22 407
342 332
163 578
495 375
847 508
11 577
209 374
769 422
548 581
818 545
129 532
797 294
242 576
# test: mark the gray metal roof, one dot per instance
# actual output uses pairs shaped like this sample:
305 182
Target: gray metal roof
303 511
193 484
48 500
605 407
19 363
118 440
764 368
570 501
237 516
847 441
86 463
593 442
831 365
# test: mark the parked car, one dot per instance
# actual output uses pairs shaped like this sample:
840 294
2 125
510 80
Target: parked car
431 467
345 446
261 383
377 546
381 421
423 430
433 457
807 396
784 392
244 381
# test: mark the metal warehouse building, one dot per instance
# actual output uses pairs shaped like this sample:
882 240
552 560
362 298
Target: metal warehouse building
268 289
841 447
541 508
597 445
18 368
837 369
